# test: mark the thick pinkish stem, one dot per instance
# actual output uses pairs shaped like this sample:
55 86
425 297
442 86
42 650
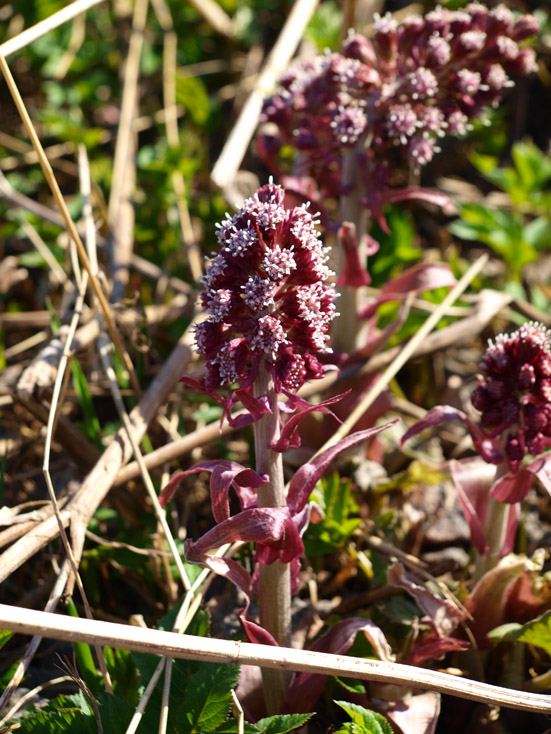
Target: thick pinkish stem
347 328
497 518
275 578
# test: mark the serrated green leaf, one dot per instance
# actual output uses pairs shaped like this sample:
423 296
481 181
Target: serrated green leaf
537 633
368 722
281 724
209 696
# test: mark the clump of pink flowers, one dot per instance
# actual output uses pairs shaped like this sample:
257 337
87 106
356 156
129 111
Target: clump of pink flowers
266 296
399 92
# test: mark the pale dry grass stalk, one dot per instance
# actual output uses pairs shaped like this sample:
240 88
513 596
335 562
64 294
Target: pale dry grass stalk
190 604
78 34
128 107
23 664
31 694
238 713
226 167
44 26
158 642
120 210
104 347
48 478
170 48
71 228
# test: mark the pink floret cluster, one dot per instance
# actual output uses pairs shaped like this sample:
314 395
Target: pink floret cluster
514 396
408 86
267 296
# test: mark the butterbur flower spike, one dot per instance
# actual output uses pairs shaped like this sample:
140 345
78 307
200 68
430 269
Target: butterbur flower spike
514 400
266 294
403 89
514 396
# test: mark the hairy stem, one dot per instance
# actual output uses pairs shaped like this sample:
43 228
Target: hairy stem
347 328
497 518
274 579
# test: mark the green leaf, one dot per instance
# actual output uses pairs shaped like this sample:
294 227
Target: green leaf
415 475
325 26
85 659
281 724
192 94
92 425
538 233
537 632
209 696
367 722
5 635
351 684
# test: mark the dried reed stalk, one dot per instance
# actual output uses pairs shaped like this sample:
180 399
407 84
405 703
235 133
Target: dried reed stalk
169 644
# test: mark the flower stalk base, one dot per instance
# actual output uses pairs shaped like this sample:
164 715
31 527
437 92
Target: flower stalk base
274 579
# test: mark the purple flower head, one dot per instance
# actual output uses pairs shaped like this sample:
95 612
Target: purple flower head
424 77
266 296
514 395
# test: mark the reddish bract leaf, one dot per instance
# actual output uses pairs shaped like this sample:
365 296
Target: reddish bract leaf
487 602
235 573
423 277
514 487
305 479
307 687
224 474
432 646
487 446
271 527
416 193
289 437
444 615
354 273
473 479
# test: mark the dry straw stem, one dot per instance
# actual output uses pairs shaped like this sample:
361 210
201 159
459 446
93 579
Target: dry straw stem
71 228
170 48
169 644
120 209
104 347
100 480
22 666
227 165
40 29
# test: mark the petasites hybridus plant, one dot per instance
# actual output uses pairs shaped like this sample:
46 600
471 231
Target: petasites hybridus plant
513 397
363 120
269 307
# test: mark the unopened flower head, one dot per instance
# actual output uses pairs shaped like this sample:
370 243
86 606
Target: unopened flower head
265 292
514 396
398 84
